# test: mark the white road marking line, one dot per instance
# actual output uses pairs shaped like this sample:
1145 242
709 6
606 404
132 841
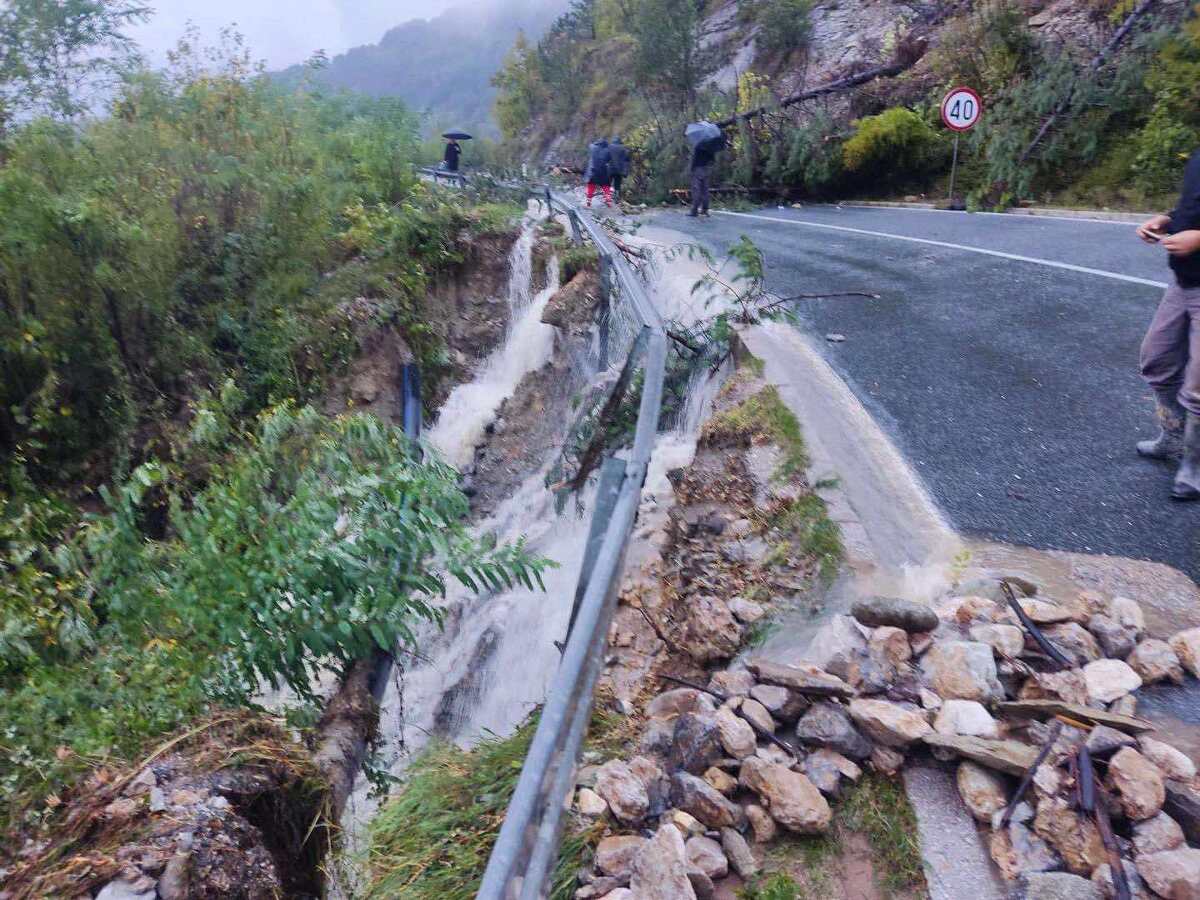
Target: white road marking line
1116 276
1028 217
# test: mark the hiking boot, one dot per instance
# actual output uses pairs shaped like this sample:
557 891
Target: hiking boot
1169 443
1187 479
693 215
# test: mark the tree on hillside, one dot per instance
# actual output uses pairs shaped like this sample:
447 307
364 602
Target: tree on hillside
53 51
670 57
521 90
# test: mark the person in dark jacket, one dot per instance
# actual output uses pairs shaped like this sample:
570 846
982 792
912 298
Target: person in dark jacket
703 155
453 152
619 166
1170 359
598 172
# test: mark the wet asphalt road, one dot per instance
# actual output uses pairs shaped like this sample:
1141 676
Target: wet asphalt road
1011 386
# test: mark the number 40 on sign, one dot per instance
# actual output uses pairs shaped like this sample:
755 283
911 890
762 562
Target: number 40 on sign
961 110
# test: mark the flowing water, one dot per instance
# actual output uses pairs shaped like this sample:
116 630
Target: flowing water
494 657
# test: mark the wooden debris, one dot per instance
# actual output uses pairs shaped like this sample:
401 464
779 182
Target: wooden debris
1028 773
1010 757
1045 709
1036 633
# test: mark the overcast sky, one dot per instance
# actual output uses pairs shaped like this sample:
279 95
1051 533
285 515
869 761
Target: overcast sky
283 31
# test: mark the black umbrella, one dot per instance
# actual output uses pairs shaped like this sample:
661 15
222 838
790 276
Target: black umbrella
456 135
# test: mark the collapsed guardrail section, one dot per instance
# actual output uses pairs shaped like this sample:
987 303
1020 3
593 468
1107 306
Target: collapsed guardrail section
526 850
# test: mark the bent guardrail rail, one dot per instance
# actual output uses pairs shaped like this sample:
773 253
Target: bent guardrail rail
526 850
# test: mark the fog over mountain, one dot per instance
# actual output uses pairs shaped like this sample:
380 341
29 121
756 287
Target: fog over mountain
442 65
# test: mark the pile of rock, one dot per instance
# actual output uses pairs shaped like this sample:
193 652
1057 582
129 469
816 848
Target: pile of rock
766 747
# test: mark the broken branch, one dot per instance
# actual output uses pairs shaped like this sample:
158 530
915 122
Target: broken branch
1036 633
1027 779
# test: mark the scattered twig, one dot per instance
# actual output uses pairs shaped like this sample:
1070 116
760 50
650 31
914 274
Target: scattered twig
867 294
1115 865
683 341
1027 779
1086 780
1036 633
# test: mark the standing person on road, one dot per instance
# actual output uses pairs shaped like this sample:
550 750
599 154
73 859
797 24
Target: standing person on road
453 152
620 165
1170 359
700 167
598 173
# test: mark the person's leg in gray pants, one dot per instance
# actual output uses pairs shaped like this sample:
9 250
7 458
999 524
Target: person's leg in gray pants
1170 364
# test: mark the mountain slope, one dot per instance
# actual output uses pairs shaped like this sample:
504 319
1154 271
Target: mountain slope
442 66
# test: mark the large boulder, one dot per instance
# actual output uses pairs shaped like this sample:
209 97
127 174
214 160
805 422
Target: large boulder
1138 784
615 854
891 611
731 683
660 870
706 855
890 646
888 723
783 704
1156 835
1127 613
1173 874
1174 764
695 744
1074 836
962 670
826 769
1186 645
738 853
699 799
756 714
793 801
1069 687
965 717
737 735
1075 642
1102 878
1116 641
623 790
762 826
804 677
983 791
828 725
711 633
1154 661
837 646
1110 679
1006 640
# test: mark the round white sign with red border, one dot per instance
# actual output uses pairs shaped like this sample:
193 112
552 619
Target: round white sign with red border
961 109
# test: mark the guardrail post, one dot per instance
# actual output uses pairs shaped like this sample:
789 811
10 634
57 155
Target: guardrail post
576 230
612 475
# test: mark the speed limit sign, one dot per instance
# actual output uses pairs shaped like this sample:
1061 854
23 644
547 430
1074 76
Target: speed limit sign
961 109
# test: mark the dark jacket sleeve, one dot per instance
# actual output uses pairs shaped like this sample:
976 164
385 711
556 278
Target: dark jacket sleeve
1186 215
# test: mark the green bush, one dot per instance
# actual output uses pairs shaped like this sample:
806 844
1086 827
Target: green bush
892 147
808 157
784 25
311 543
1172 131
987 48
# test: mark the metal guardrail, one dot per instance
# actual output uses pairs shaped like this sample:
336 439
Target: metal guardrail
526 851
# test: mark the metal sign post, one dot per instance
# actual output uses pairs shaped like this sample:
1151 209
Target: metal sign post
961 109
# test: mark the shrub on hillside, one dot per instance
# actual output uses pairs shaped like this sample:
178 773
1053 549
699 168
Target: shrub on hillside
808 158
1172 131
784 25
986 48
892 147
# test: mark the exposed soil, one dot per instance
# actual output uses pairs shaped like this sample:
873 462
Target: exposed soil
231 807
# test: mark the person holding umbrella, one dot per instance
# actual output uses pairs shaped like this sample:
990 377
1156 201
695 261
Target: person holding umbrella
453 149
707 141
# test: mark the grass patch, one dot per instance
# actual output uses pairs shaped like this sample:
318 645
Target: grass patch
762 416
878 807
806 868
574 259
494 218
432 839
805 522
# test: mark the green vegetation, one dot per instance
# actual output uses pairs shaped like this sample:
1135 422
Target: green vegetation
1117 129
180 282
806 868
764 416
893 147
431 840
